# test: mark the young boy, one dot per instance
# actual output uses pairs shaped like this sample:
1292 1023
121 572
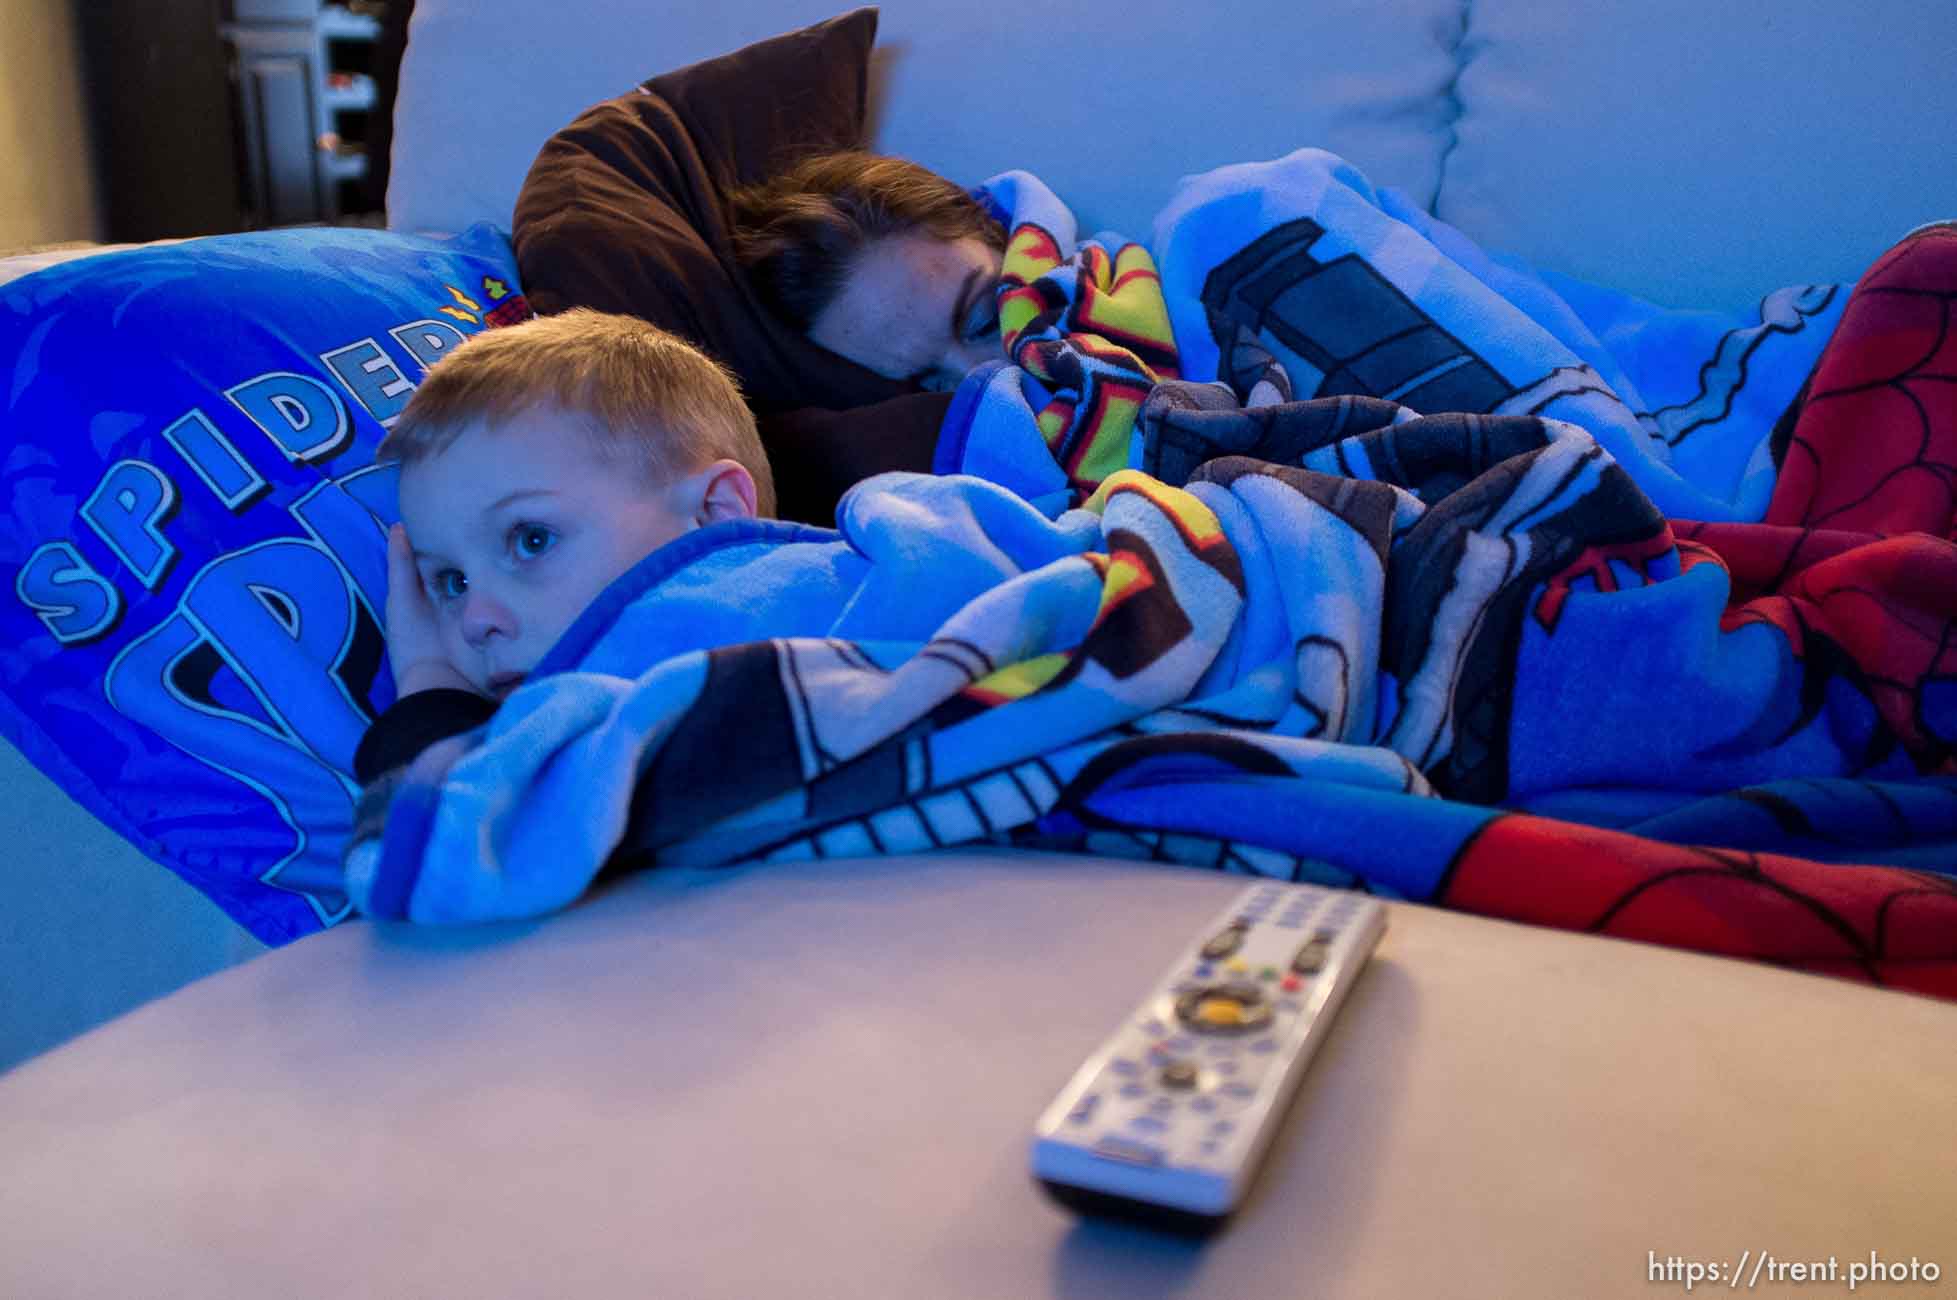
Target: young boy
538 463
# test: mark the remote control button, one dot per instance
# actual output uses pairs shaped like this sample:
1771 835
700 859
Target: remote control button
1225 1067
1233 1008
1134 1090
1179 1074
1203 1104
1291 984
1123 1066
1205 971
1223 1126
1238 1091
1162 1105
1324 935
1218 1013
1310 958
1084 1108
1266 1045
1154 1028
1128 1149
1226 941
1148 1124
1268 973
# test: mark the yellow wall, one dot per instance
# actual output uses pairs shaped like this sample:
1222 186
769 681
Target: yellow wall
47 183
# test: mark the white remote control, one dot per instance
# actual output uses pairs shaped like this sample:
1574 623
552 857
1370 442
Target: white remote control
1169 1119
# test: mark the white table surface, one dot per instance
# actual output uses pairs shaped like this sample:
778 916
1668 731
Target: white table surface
819 1081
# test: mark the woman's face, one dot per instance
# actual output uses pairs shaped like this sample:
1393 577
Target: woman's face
917 308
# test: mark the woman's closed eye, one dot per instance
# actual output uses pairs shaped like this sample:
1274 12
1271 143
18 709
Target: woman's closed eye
981 320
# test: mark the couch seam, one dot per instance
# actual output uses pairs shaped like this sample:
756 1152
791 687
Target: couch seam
1450 98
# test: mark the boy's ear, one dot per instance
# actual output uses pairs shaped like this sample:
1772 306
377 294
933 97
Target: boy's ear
726 492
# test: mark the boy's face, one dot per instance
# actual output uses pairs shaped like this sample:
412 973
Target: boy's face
516 529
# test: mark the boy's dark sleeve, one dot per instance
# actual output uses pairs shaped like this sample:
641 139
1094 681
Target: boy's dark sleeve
413 724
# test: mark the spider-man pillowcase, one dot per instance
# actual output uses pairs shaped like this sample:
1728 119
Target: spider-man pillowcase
195 538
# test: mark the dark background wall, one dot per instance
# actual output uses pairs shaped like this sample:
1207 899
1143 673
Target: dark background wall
218 115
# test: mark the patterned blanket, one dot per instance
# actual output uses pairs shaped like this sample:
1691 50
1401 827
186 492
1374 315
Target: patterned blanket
1464 658
1297 277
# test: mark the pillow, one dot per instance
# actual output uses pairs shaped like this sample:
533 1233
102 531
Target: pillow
623 211
195 537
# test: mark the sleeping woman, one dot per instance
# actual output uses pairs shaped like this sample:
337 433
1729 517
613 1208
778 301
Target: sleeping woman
1296 271
841 288
668 203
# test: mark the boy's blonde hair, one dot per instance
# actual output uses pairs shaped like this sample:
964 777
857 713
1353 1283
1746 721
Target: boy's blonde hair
645 394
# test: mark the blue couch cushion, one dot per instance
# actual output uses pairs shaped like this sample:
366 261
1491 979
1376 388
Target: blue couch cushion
1702 155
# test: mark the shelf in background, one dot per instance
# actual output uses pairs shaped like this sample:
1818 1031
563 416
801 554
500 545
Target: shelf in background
337 21
309 99
356 93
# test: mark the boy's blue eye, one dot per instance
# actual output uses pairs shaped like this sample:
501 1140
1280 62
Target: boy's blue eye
532 540
450 584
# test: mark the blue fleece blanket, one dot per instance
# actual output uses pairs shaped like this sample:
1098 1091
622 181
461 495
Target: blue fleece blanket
1299 275
1272 669
1456 657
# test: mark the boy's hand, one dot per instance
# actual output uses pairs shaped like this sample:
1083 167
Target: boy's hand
414 640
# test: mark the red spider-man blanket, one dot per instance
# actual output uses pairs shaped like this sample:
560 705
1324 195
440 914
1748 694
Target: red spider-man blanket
1856 565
